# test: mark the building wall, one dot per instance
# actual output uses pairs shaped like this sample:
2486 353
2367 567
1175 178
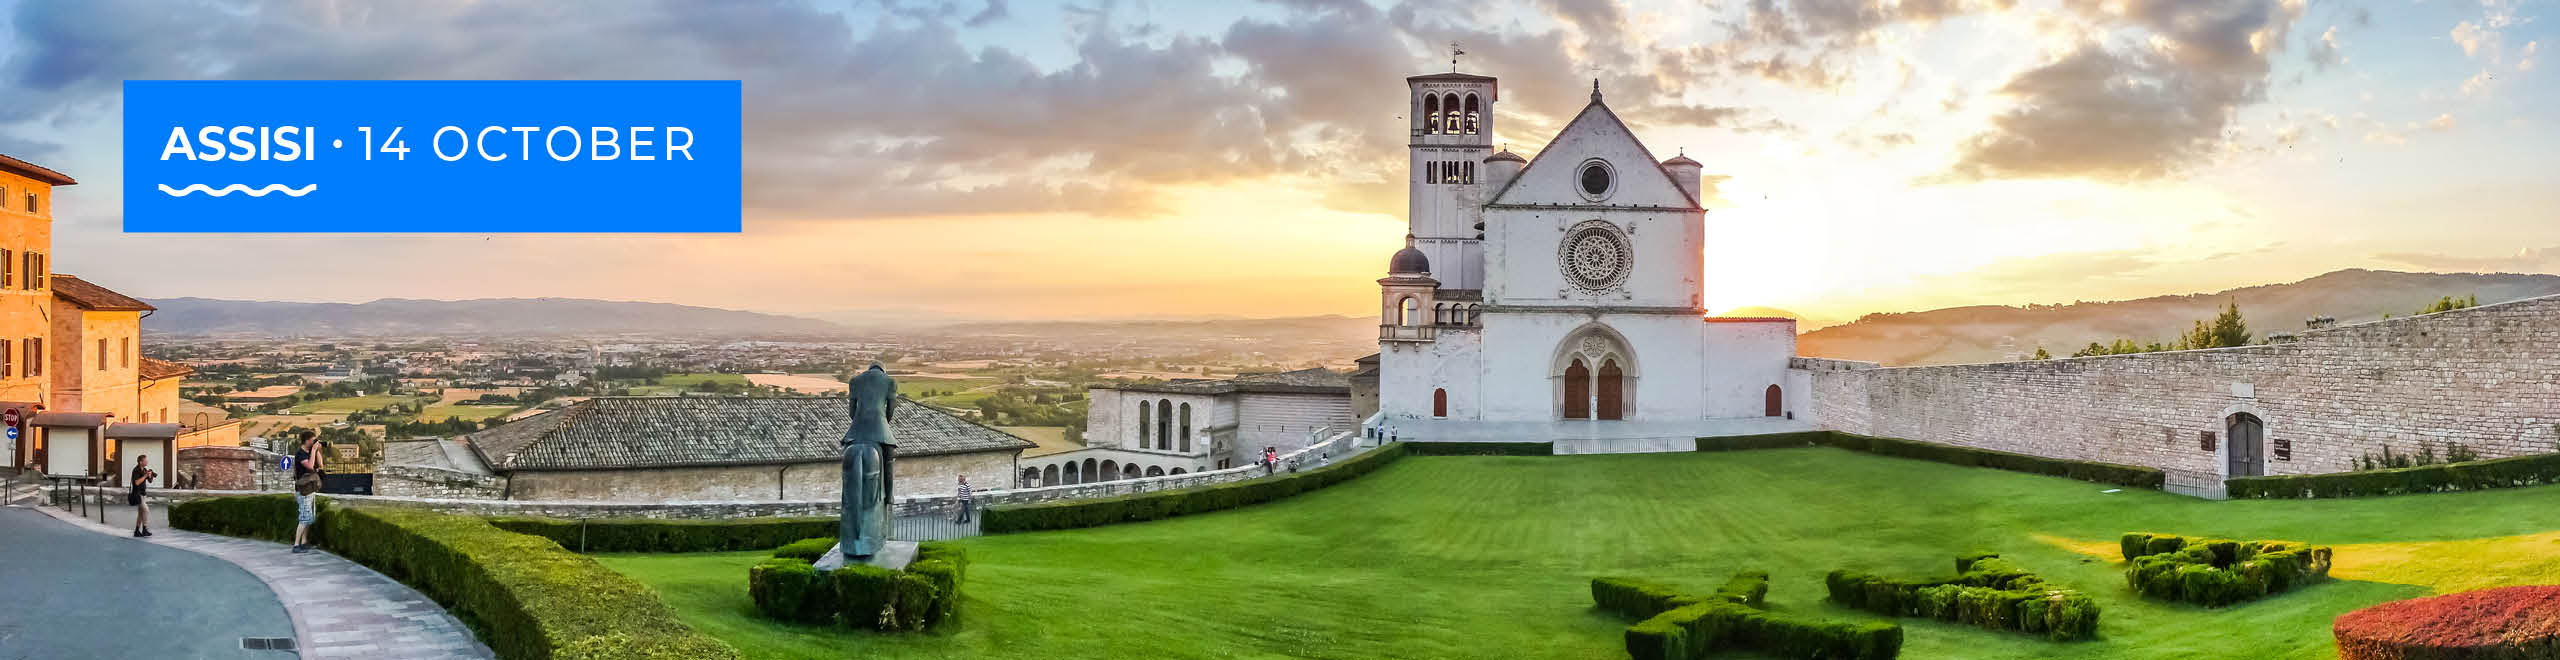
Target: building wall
2483 377
1409 371
1744 358
1113 460
912 477
155 401
24 313
1522 380
225 434
79 382
1287 421
1112 418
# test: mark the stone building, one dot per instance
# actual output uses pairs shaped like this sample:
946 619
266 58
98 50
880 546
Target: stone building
1561 296
1197 424
663 449
70 346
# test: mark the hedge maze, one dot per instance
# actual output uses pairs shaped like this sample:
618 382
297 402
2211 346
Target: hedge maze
789 588
2217 572
1986 591
1671 625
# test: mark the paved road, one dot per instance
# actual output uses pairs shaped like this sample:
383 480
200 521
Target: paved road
67 592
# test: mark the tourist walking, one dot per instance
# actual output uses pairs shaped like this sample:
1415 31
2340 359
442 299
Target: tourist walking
142 476
965 501
1270 460
306 490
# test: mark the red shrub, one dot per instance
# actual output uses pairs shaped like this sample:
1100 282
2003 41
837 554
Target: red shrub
2510 623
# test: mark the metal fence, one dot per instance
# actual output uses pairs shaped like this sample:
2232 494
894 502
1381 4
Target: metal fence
935 526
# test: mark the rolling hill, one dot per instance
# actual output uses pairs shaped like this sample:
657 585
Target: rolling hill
1987 333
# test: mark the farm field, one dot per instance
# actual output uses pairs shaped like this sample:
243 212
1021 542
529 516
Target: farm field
471 412
352 404
1479 557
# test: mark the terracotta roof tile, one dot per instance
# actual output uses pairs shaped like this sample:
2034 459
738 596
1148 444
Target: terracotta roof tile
156 369
647 432
96 298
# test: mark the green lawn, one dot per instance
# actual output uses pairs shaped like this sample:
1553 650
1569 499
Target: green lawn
1490 557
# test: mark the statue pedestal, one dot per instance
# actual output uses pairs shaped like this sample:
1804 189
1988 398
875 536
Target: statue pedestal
894 555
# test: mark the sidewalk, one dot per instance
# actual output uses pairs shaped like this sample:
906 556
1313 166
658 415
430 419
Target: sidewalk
340 609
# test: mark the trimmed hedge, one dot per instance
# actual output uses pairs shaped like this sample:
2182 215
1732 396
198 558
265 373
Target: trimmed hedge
1071 514
2217 572
541 602
264 517
808 550
2110 473
1673 626
649 535
861 595
1763 441
2442 477
1480 448
1987 592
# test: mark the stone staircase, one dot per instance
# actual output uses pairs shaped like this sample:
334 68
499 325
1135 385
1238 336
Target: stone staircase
1566 446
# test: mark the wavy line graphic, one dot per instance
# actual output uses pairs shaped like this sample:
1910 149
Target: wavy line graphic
238 188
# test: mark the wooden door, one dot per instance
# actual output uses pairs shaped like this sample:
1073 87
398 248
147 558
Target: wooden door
2247 446
1577 391
1612 387
1775 403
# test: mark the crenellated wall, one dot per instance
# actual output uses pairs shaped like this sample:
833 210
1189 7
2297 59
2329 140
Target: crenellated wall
2487 377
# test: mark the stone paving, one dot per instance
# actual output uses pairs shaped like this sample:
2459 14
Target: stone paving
340 609
67 592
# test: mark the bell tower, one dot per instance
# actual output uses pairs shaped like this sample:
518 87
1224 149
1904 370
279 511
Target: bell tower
1452 134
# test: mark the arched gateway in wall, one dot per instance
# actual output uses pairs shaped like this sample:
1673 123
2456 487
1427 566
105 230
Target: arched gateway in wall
1595 375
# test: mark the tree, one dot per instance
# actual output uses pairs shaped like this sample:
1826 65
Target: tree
2449 303
2042 355
2229 329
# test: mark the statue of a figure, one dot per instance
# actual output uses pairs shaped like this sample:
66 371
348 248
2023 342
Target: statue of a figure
864 527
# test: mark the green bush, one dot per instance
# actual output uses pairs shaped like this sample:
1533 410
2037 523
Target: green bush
2217 572
808 550
1987 591
268 517
1763 441
2443 477
1479 448
1747 588
1672 626
921 597
649 535
1070 514
529 598
791 590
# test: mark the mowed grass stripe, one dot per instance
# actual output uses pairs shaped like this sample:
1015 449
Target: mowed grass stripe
1490 557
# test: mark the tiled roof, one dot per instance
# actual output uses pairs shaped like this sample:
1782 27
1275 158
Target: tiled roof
1316 380
156 369
33 171
96 298
645 432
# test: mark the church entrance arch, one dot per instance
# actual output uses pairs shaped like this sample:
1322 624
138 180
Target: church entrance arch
1595 375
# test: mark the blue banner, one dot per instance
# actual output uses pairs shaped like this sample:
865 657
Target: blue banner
431 156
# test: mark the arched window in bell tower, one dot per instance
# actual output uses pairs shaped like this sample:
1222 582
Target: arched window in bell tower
1450 114
1430 114
1471 114
1411 314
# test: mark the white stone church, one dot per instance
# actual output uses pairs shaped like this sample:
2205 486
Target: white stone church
1560 297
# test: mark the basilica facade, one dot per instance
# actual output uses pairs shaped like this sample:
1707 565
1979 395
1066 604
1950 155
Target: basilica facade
1560 296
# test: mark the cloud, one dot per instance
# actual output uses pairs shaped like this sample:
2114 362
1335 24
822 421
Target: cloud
2325 53
2524 60
2525 260
2124 113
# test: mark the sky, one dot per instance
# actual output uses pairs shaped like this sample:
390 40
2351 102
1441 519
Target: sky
1100 159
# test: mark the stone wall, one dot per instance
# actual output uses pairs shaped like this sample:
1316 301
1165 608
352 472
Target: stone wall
2487 377
420 481
230 468
915 476
1339 447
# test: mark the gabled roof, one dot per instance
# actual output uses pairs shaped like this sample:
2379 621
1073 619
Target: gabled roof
96 298
156 369
605 433
1598 116
33 171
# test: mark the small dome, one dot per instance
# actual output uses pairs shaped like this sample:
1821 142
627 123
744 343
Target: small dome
1506 155
1681 160
1409 261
